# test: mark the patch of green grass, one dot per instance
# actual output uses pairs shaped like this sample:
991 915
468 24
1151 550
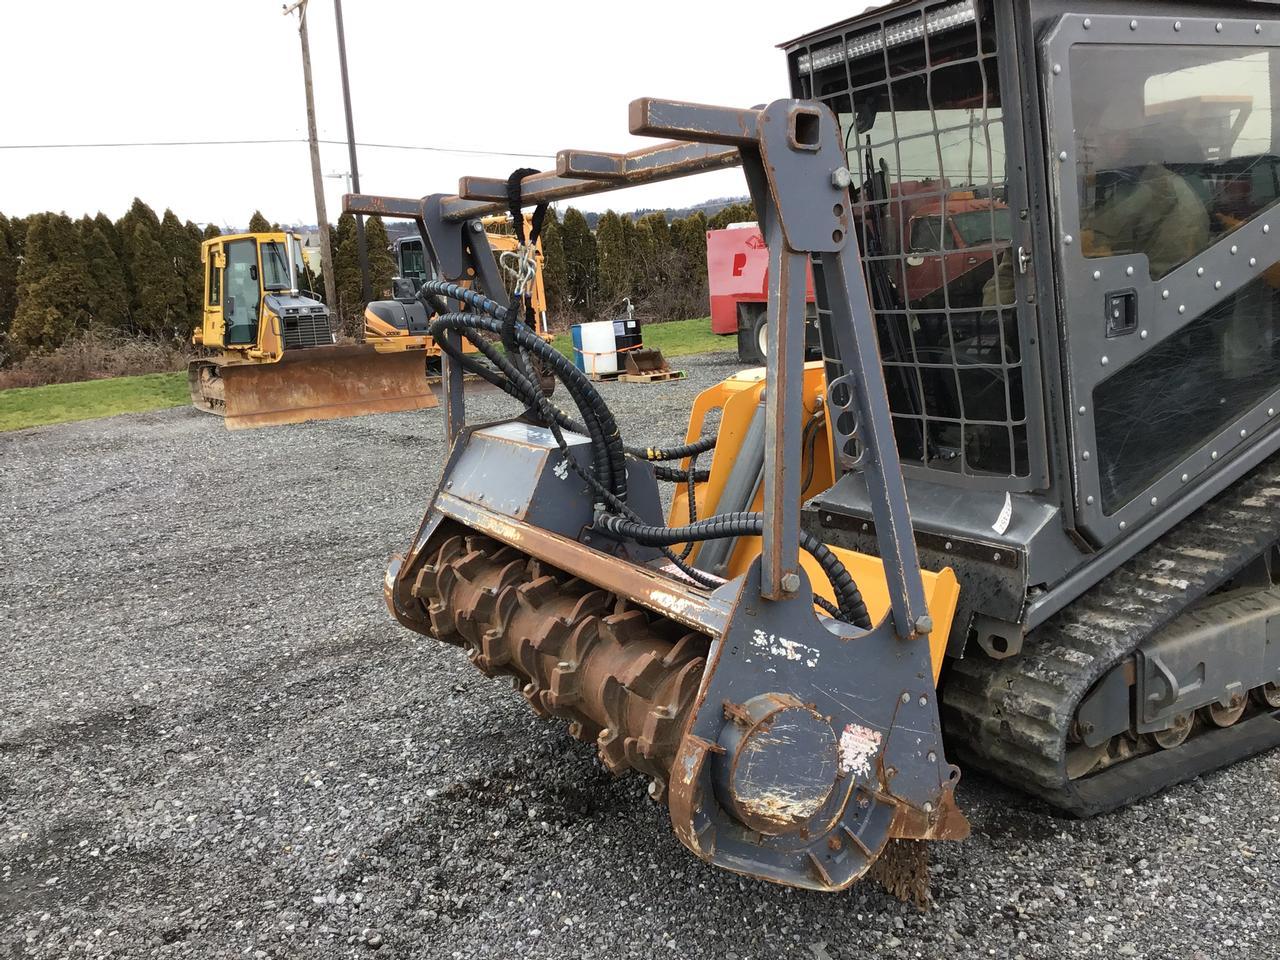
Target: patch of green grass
64 402
675 338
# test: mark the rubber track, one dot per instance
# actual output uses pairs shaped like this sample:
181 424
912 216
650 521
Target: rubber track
1011 717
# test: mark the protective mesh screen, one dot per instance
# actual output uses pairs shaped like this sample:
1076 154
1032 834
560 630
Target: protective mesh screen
918 99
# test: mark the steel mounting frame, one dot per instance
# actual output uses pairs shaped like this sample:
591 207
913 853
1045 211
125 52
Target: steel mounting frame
791 152
773 662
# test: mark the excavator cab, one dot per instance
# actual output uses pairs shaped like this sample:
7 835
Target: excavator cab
406 315
1024 515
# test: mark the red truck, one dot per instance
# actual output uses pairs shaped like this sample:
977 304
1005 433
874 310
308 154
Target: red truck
960 246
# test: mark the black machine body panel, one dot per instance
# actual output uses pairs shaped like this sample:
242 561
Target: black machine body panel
1069 221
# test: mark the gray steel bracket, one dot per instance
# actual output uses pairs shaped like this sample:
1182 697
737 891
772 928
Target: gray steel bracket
786 771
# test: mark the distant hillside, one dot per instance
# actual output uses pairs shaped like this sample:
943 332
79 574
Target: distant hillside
709 208
401 228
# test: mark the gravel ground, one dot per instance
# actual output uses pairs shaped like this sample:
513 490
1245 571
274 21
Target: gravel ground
214 742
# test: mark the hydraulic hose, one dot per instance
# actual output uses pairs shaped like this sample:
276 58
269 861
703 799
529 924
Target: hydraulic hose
676 475
492 318
848 597
608 477
588 400
701 445
480 302
517 384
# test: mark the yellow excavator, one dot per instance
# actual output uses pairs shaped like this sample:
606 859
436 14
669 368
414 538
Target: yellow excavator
407 316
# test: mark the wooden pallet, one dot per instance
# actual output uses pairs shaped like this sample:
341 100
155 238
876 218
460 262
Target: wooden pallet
656 376
604 377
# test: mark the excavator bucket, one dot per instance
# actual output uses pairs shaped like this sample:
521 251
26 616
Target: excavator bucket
321 383
646 360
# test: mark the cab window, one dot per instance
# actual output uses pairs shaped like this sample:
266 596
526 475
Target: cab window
215 280
1175 147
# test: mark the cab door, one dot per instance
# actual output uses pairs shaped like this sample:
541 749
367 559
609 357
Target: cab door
242 295
215 261
1165 166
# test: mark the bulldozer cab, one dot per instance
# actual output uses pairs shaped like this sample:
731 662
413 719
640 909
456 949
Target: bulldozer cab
1100 331
253 303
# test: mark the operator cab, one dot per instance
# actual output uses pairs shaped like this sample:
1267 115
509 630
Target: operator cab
1066 216
412 267
1164 150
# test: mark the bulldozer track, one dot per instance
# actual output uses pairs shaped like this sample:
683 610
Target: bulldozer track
1012 717
624 678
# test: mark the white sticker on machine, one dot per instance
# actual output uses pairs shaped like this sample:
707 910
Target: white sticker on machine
858 744
1006 514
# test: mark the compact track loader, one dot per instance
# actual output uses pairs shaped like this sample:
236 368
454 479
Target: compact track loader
1082 599
276 357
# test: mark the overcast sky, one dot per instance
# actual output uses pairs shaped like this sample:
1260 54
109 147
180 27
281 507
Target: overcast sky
426 74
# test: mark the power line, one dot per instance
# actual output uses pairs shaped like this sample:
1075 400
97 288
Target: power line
267 142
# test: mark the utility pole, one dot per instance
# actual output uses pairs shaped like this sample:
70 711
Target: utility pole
362 249
322 216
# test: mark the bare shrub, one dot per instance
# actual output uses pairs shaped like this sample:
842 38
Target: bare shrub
95 356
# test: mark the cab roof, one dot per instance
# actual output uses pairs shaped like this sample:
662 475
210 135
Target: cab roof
873 13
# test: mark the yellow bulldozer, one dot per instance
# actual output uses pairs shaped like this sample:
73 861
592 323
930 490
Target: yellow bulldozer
277 358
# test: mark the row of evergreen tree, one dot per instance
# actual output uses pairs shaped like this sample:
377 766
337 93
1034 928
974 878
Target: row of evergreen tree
137 276
660 266
141 275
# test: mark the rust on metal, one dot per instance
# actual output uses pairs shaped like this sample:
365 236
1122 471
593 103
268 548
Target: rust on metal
372 205
319 383
944 822
736 713
652 117
670 598
669 159
624 678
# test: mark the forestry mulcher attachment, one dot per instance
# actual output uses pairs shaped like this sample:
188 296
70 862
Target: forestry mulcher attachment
1079 402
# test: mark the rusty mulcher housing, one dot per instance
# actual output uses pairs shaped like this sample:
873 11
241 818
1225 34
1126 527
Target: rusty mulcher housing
1079 408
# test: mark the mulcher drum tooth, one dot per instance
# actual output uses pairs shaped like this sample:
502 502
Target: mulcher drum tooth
622 677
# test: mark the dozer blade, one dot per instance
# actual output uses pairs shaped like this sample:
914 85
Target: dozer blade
320 383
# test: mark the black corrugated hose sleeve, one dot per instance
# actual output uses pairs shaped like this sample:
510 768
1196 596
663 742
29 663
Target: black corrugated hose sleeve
513 381
852 609
701 445
585 396
676 475
583 391
691 494
518 385
480 302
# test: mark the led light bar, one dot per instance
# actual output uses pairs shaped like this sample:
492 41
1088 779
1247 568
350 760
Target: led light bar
894 35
